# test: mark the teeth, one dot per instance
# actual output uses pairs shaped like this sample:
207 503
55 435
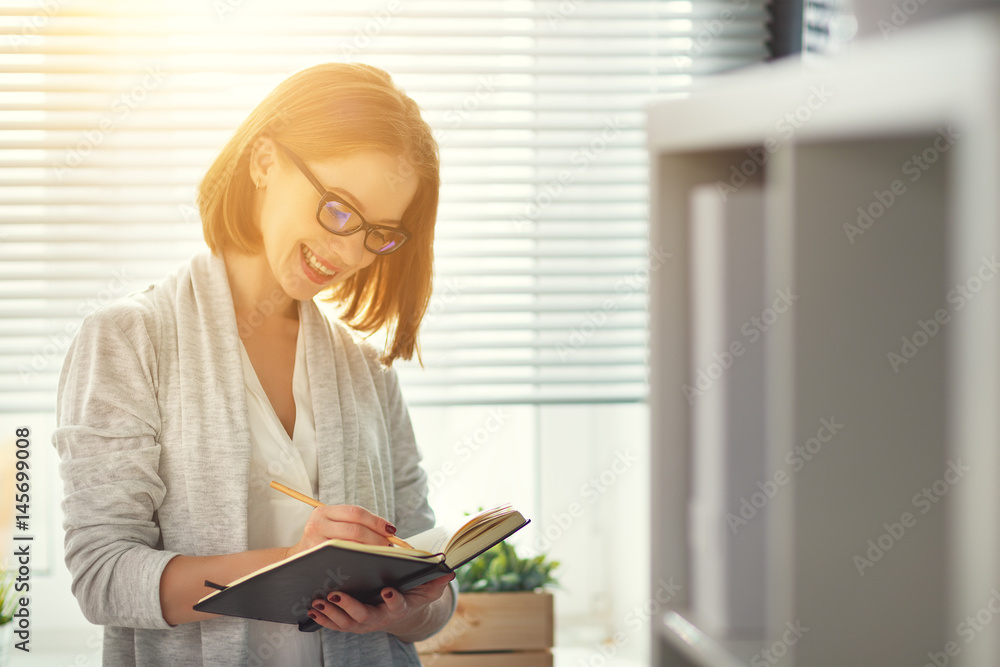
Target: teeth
316 266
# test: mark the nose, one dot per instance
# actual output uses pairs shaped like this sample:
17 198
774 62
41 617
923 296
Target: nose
350 249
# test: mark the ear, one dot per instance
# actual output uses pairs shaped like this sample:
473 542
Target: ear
263 160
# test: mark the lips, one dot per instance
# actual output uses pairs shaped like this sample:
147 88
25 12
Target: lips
319 270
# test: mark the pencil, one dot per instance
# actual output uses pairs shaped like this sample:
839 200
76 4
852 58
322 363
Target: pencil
295 494
315 503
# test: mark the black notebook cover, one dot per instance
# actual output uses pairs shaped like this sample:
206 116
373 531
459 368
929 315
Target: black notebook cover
284 594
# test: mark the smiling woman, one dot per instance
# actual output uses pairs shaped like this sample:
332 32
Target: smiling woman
179 404
327 116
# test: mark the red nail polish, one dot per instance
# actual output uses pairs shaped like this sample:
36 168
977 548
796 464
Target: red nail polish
391 529
320 606
334 598
312 615
388 595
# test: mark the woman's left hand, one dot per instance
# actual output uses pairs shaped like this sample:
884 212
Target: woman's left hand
400 614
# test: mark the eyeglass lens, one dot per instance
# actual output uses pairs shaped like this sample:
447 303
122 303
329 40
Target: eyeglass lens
341 220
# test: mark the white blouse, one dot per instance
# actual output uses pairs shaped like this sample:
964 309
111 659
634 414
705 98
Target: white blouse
274 519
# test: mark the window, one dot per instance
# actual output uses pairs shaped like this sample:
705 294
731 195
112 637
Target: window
111 111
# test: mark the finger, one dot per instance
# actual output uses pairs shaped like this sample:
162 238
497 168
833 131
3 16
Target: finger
432 589
355 610
395 602
327 523
440 582
359 515
355 523
328 616
443 580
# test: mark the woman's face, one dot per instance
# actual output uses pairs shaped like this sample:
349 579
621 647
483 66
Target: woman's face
303 256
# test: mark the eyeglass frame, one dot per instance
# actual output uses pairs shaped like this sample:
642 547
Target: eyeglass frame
328 196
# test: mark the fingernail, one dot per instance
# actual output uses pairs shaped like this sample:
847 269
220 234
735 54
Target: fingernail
334 598
391 529
388 594
312 615
320 606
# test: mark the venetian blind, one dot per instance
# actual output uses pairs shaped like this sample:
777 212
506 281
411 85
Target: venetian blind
111 110
827 26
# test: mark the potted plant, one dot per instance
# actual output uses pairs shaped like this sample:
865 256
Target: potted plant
504 616
8 605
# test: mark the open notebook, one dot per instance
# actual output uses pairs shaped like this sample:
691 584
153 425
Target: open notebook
283 592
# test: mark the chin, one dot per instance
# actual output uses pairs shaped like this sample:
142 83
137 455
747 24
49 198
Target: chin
304 289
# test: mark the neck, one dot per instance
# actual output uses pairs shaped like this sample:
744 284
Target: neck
257 294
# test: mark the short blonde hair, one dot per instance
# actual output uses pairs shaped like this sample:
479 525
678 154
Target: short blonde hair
325 112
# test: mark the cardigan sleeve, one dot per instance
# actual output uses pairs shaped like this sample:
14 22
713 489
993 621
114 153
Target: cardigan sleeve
107 424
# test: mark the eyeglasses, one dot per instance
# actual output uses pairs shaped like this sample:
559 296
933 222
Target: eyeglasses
342 219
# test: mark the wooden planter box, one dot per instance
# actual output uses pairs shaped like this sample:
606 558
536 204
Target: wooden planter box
494 630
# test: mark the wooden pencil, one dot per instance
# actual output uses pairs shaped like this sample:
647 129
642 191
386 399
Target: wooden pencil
315 503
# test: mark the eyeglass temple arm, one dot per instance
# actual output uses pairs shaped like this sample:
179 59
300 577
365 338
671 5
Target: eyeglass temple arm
303 168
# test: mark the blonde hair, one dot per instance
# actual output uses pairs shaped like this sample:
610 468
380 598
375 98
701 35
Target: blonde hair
330 111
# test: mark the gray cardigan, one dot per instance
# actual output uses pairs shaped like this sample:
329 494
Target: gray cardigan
155 451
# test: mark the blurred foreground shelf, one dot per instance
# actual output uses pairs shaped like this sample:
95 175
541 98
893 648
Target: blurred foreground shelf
875 501
700 648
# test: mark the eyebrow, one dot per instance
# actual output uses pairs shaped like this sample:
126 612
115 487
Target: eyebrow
353 201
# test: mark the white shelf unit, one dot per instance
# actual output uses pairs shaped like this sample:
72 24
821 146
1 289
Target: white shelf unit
882 104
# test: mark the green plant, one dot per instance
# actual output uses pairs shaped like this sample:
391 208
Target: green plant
8 597
501 570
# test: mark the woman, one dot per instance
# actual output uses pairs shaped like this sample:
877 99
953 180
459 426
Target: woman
179 404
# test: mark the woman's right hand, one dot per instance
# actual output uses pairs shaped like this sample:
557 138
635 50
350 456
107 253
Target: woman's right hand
181 582
343 522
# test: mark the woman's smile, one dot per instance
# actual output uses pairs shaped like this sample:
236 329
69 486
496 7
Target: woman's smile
316 268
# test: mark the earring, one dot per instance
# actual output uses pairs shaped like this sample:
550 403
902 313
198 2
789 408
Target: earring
257 184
